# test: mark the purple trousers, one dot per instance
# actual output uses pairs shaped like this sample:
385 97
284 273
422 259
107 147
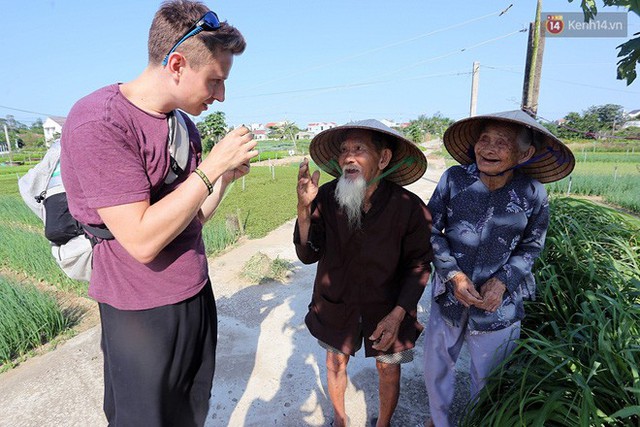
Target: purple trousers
442 347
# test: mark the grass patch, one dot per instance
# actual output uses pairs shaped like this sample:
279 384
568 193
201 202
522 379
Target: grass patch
28 251
604 146
24 249
577 361
617 183
266 202
218 235
261 269
9 179
28 318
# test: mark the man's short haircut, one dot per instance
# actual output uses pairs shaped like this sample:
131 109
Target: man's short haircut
524 135
174 18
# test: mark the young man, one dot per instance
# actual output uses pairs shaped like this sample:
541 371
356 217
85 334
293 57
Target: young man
370 238
158 314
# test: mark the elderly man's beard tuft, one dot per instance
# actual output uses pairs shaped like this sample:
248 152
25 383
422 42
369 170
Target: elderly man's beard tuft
350 195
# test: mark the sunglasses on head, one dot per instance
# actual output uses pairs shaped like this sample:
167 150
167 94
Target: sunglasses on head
208 22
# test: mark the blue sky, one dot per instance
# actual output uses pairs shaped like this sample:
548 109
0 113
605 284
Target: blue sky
318 61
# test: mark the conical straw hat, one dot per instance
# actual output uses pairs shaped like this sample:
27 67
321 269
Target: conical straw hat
551 162
408 162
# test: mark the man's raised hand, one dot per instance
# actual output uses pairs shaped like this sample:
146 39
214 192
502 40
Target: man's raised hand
307 185
235 149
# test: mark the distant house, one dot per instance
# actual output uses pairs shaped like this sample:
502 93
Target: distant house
271 125
634 114
259 134
390 123
317 127
633 119
305 135
52 128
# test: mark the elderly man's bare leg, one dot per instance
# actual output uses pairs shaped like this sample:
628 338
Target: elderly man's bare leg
389 391
337 385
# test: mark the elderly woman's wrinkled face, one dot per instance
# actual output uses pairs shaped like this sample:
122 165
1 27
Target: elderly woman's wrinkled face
497 150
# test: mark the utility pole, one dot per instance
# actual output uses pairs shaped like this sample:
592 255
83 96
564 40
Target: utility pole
6 134
533 67
474 88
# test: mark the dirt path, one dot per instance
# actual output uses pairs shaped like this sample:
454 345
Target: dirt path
279 162
270 370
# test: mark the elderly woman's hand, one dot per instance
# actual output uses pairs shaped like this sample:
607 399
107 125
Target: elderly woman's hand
492 292
465 291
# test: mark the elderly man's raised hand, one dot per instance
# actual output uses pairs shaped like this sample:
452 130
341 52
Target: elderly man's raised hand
465 291
492 292
307 185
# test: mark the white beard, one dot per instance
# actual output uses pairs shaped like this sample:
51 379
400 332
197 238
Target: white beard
350 195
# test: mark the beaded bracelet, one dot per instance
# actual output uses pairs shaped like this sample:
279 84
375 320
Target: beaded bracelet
205 180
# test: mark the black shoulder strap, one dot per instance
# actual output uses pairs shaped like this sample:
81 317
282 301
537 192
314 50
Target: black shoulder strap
96 234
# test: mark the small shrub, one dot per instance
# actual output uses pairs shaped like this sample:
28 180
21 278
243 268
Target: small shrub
260 268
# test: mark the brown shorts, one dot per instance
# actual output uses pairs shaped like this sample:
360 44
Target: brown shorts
404 356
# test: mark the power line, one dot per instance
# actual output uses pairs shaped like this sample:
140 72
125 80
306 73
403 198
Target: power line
351 85
561 81
375 82
27 111
394 44
455 52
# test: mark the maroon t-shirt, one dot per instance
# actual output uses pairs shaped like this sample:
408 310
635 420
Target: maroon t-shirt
114 153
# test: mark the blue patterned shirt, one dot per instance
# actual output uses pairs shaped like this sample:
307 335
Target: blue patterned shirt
486 234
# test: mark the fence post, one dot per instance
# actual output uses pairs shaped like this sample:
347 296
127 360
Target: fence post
615 173
240 223
569 187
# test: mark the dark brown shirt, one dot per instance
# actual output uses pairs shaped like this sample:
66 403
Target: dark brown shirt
363 274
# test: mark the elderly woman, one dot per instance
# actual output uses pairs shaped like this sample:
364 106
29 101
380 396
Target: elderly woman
490 217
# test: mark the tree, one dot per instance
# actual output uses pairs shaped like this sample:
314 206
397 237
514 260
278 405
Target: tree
609 115
414 133
286 130
37 125
630 50
576 125
593 122
212 129
434 125
11 122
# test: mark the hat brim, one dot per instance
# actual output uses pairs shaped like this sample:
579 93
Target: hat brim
553 159
408 163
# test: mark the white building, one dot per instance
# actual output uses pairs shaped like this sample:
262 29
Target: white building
259 134
52 128
633 117
317 127
390 123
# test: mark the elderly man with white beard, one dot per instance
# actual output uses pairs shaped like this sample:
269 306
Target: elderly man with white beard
371 239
